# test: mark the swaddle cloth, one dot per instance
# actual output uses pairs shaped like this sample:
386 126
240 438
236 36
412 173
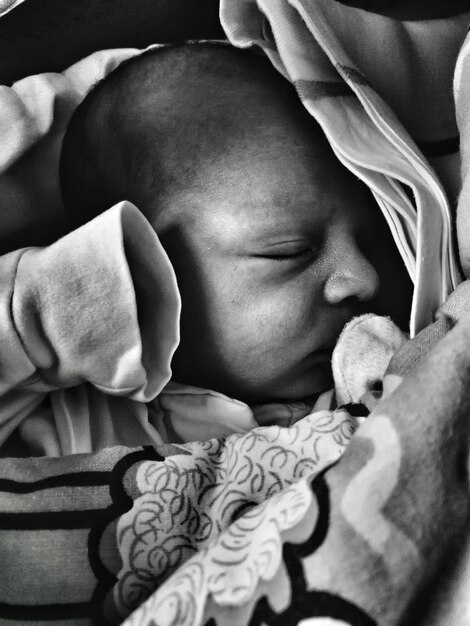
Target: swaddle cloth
372 83
462 105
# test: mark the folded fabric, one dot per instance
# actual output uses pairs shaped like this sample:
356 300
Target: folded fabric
34 113
372 84
266 527
257 528
462 104
99 307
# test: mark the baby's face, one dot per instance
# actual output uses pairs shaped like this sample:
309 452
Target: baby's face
279 247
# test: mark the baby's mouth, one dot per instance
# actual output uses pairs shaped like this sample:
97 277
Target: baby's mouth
323 355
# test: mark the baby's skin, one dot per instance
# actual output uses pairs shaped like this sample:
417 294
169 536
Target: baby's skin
275 245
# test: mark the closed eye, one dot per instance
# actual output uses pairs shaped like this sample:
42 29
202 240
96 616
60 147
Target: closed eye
289 256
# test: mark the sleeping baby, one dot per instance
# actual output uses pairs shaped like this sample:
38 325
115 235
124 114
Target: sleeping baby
269 242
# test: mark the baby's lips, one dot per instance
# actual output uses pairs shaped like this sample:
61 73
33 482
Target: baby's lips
321 355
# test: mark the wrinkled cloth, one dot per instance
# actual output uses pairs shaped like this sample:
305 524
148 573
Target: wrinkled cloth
359 541
99 309
462 104
335 519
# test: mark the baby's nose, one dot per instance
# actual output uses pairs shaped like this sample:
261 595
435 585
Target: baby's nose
353 277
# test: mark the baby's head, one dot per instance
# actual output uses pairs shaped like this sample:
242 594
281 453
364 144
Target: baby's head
274 243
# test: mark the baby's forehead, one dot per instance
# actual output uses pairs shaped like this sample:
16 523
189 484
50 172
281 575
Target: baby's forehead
261 202
265 182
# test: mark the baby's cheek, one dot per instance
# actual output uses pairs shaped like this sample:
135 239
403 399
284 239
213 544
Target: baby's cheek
278 319
258 321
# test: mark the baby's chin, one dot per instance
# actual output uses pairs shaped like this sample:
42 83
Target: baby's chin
315 380
311 381
305 380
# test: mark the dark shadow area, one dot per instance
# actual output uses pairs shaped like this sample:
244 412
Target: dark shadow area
416 10
50 35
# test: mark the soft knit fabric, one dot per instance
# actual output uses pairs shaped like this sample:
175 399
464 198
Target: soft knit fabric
99 309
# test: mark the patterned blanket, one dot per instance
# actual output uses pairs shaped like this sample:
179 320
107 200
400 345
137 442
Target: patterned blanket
277 526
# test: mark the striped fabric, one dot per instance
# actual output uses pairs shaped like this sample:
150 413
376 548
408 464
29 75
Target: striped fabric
56 550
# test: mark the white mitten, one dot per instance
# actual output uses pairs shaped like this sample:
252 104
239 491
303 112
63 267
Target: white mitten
100 305
361 356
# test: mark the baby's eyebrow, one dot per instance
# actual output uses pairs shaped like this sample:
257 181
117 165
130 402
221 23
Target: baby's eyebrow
285 224
261 231
264 221
272 238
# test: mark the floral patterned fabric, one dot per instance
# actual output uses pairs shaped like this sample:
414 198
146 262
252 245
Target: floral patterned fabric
189 503
353 543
